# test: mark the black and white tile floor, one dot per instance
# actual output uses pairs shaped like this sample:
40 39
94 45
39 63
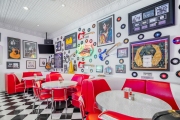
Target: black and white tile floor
14 107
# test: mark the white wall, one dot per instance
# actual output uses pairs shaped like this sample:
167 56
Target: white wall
173 31
7 33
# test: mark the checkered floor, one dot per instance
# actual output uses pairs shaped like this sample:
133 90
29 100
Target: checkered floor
14 107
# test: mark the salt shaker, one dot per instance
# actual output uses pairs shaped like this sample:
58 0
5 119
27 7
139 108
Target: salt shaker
131 97
35 75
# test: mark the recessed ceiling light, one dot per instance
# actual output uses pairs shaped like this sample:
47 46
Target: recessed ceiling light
38 25
63 5
26 8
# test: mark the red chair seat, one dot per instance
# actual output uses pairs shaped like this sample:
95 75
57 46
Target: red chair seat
45 96
20 85
45 91
92 116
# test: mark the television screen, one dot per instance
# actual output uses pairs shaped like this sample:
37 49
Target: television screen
46 49
150 55
58 60
99 68
155 16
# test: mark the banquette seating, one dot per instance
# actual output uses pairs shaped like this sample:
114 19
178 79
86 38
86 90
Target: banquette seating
168 92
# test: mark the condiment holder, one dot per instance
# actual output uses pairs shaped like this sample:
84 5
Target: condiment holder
60 80
127 92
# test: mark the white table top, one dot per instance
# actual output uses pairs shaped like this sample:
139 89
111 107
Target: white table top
57 84
144 106
34 78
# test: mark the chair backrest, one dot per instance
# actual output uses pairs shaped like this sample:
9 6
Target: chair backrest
79 78
29 74
53 77
29 83
59 94
11 83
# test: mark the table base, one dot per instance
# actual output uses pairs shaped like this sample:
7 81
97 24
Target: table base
62 105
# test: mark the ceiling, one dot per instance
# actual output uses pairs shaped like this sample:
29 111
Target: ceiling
48 14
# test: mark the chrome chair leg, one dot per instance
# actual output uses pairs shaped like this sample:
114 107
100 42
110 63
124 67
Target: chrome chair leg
66 107
52 107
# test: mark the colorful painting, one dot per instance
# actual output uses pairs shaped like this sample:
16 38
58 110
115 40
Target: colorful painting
58 46
29 49
70 41
14 48
58 60
105 28
120 68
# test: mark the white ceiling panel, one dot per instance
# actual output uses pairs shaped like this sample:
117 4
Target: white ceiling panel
48 14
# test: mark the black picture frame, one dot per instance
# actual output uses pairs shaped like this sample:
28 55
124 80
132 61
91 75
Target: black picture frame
13 48
32 66
169 17
152 40
58 46
0 37
125 54
12 65
99 68
100 36
27 53
42 62
70 41
122 68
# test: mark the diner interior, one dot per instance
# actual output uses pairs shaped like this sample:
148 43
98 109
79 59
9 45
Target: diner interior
89 59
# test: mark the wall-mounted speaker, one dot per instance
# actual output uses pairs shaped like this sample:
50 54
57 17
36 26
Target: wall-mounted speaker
48 41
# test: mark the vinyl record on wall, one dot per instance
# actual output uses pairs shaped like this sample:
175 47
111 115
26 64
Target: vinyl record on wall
118 34
82 59
94 43
81 42
134 74
90 60
123 26
99 50
79 29
91 70
95 56
157 34
126 40
94 25
178 73
74 55
163 75
68 51
83 30
77 58
175 61
107 62
179 51
74 61
61 37
78 45
140 36
89 29
90 41
176 40
57 38
121 61
118 19
82 70
86 41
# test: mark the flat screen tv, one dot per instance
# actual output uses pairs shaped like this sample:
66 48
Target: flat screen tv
99 68
155 16
46 49
150 55
58 60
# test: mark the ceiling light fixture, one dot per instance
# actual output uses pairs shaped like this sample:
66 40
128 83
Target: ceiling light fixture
38 25
63 5
26 8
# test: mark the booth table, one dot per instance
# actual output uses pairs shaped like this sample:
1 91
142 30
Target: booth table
144 106
34 78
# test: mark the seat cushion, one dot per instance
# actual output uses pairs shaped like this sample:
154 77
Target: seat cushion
45 96
20 85
92 116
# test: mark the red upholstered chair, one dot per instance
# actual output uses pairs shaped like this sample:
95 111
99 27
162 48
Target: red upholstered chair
53 77
161 90
30 74
137 85
118 116
13 85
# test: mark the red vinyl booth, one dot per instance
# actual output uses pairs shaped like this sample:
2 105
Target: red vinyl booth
30 74
13 85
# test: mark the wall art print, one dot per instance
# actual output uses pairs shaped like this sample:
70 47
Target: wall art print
14 48
29 49
42 62
30 64
58 60
122 52
120 68
12 65
65 68
70 41
105 29
58 46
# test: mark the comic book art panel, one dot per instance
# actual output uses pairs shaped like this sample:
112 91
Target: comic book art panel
14 48
29 49
58 46
105 29
58 60
30 64
150 55
70 41
120 68
122 52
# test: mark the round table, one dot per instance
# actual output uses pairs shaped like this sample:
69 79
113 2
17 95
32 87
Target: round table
143 106
34 78
58 85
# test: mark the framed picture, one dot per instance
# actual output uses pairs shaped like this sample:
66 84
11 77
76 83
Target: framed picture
65 68
70 41
122 52
1 51
12 65
0 37
30 64
42 62
58 46
105 29
52 61
150 55
154 16
75 67
58 60
13 48
120 68
29 49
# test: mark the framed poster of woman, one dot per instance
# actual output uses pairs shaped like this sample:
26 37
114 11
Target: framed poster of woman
105 29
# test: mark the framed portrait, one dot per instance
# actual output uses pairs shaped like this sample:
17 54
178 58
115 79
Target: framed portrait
58 60
13 48
1 51
105 29
30 64
42 62
29 49
122 52
58 46
70 41
65 68
75 67
120 68
52 61
12 65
